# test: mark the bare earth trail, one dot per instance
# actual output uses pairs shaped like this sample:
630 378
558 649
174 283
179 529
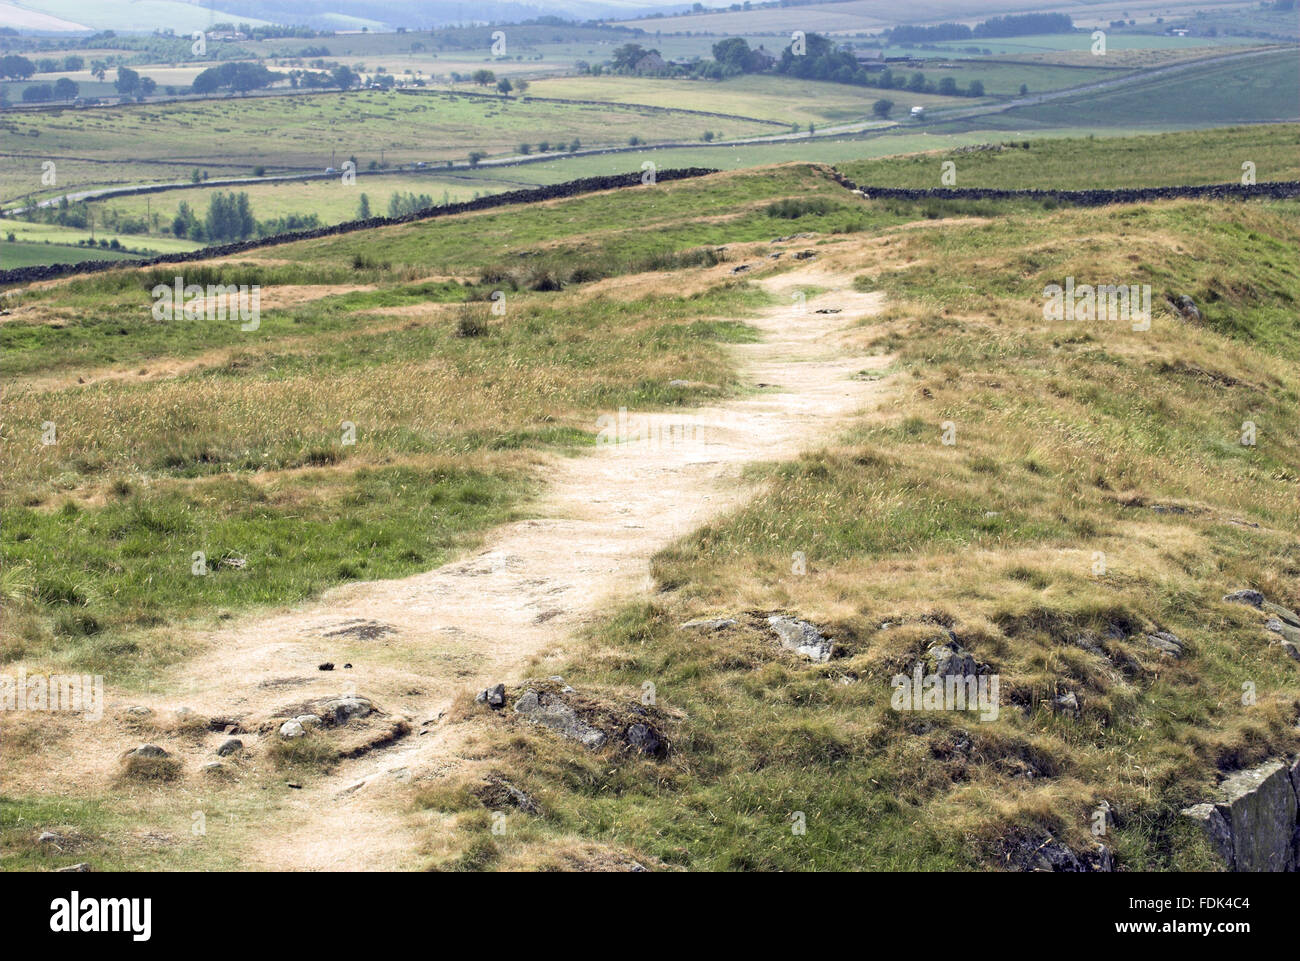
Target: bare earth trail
481 620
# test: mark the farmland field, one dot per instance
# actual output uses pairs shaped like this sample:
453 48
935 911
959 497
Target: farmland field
784 99
328 199
39 233
1202 157
1258 88
23 253
311 132
855 16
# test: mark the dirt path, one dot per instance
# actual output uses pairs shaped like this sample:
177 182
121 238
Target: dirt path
415 643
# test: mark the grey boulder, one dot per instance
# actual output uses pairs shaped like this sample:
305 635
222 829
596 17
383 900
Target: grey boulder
1253 598
801 637
1252 821
553 713
1169 645
340 710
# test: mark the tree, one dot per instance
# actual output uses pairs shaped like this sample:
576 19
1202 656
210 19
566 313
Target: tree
65 89
184 221
343 77
881 108
229 217
483 77
128 81
73 63
976 88
948 87
734 55
147 86
503 86
520 87
625 58
240 77
16 68
363 208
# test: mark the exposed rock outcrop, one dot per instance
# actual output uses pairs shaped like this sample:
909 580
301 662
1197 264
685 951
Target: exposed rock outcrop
1252 822
801 637
552 712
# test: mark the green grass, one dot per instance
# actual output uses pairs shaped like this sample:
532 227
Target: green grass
1065 431
788 100
318 131
1258 88
24 254
617 230
1200 157
183 465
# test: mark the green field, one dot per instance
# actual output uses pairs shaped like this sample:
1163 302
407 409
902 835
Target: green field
1082 41
329 199
1258 88
1192 157
140 244
1005 79
27 254
1047 163
768 97
315 132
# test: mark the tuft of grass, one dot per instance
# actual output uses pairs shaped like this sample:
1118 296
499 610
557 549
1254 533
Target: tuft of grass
150 769
313 752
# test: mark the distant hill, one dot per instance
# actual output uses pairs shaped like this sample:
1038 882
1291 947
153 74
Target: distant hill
136 15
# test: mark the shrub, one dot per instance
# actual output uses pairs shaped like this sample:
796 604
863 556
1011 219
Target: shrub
470 322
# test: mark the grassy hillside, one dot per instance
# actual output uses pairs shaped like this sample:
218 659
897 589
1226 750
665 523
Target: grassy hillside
233 436
1072 439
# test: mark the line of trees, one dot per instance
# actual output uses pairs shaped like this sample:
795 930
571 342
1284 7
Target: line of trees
129 83
822 60
61 89
239 76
